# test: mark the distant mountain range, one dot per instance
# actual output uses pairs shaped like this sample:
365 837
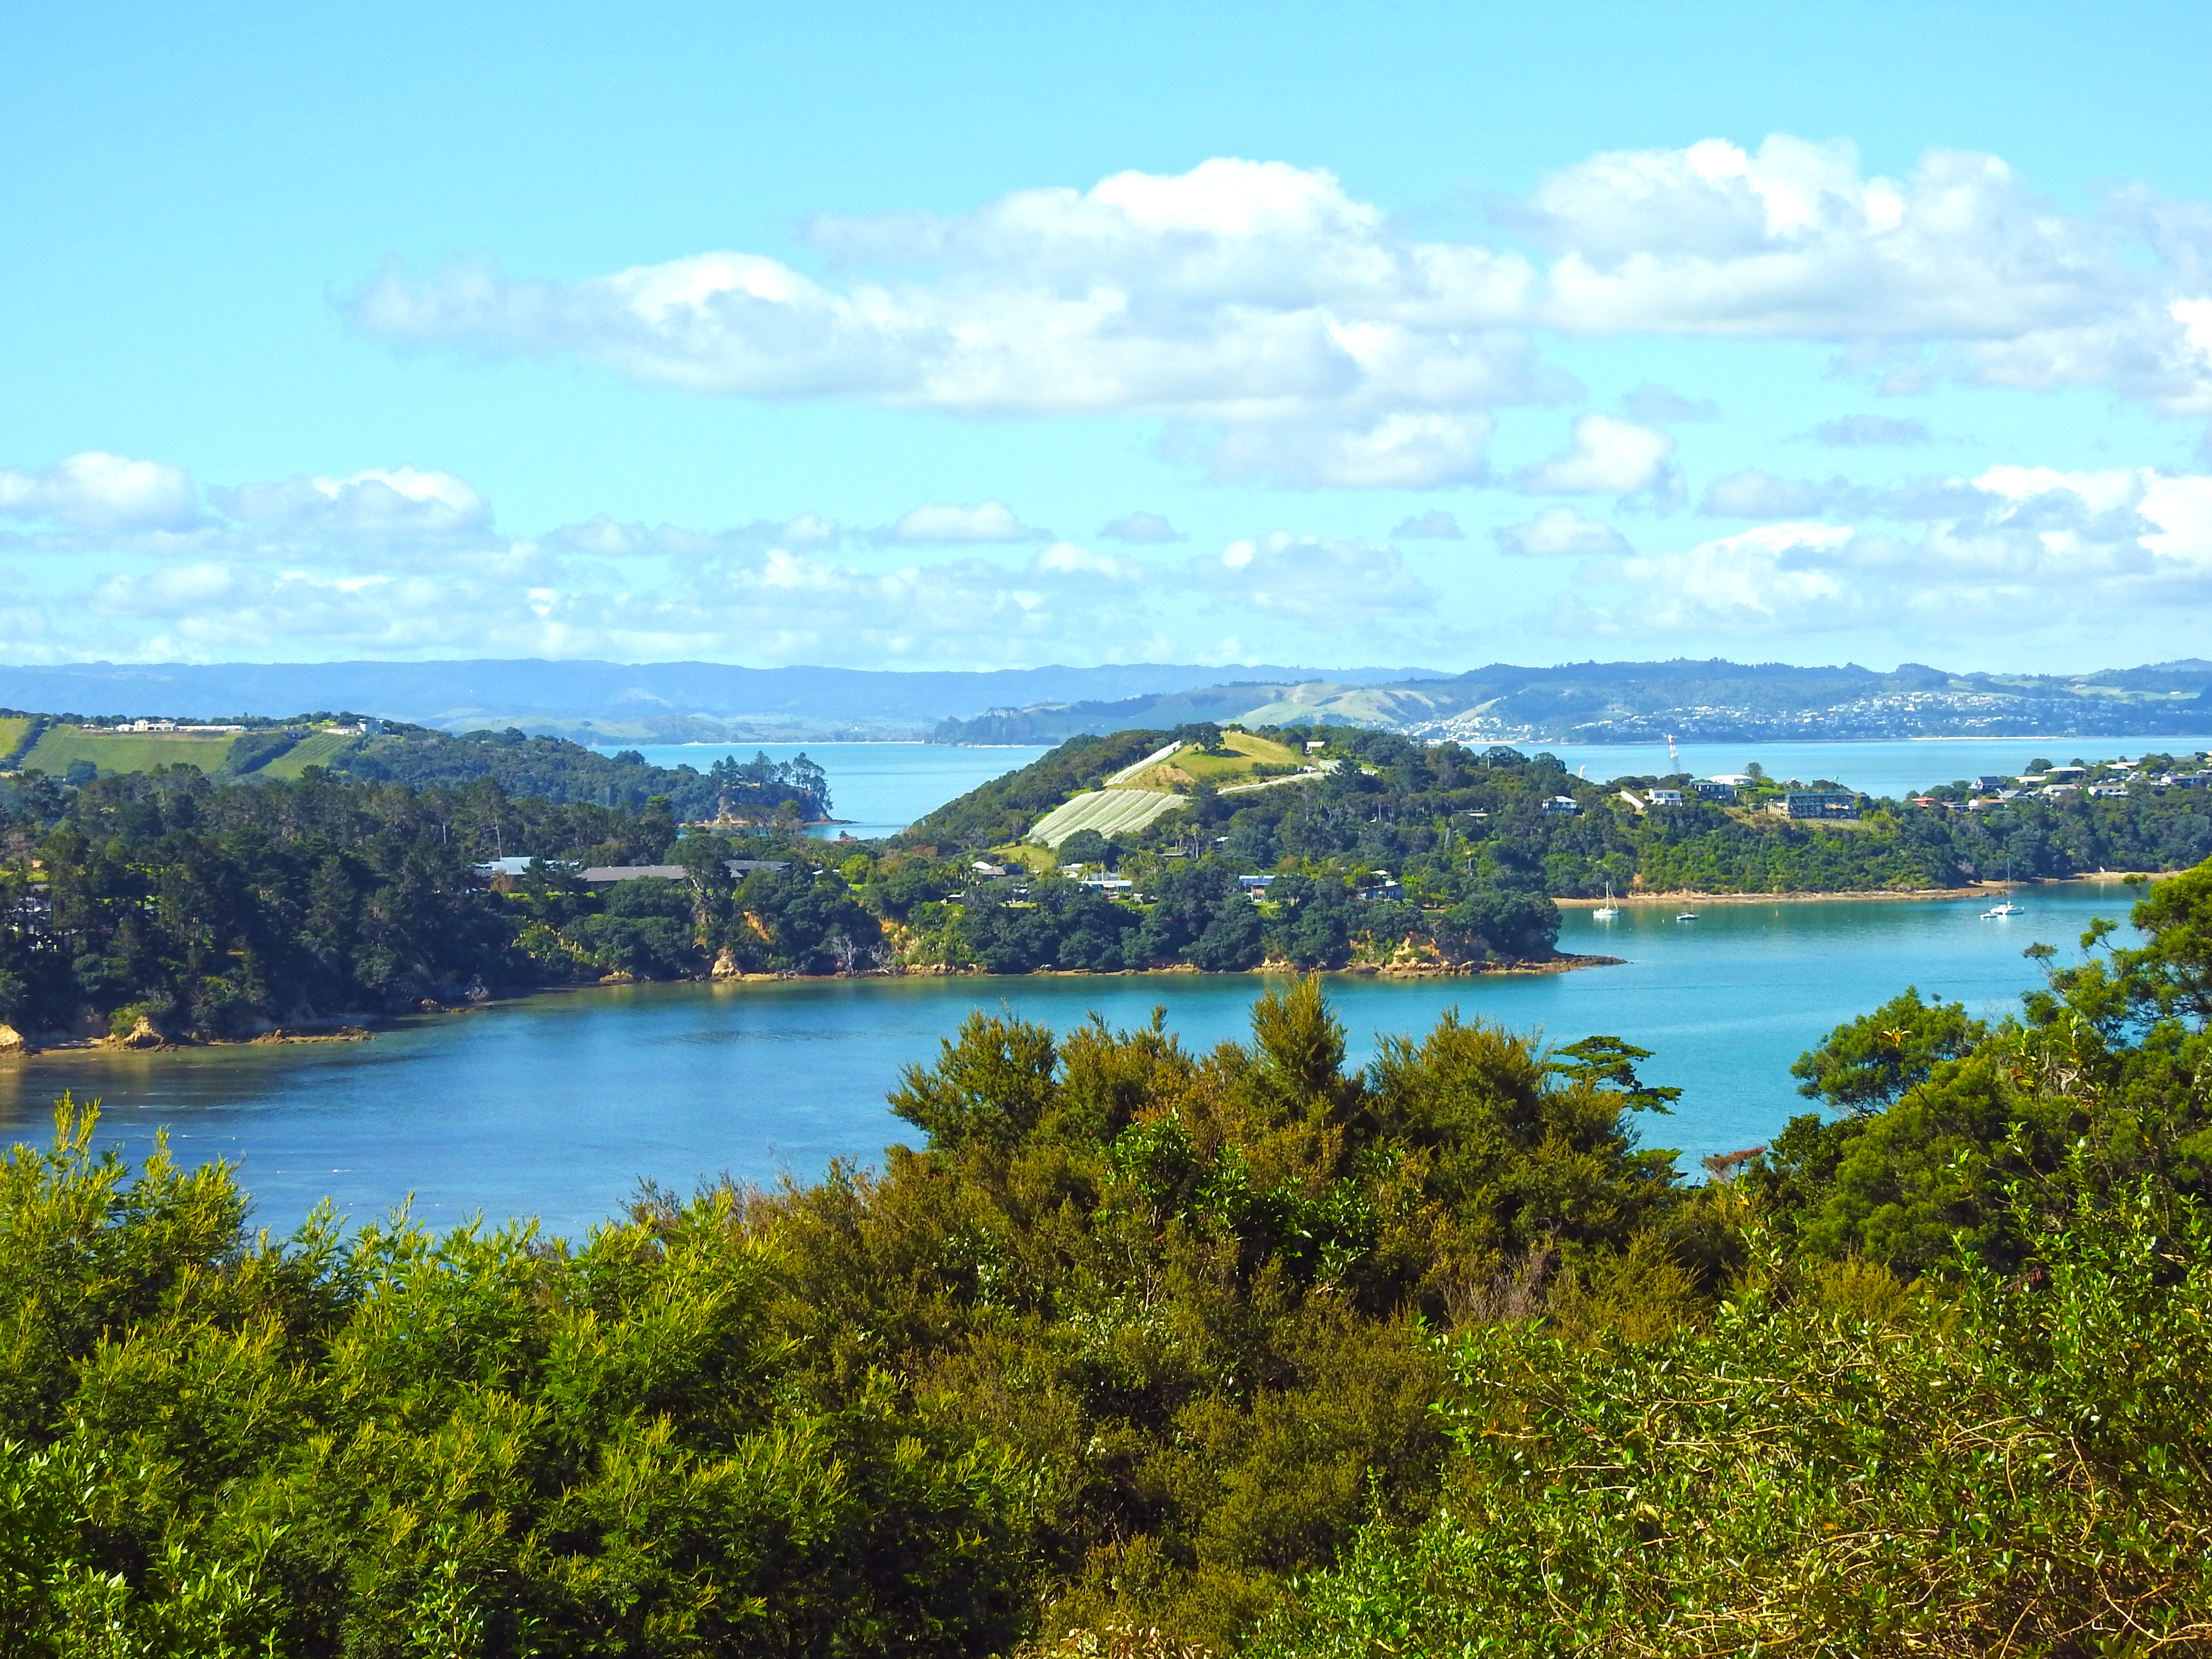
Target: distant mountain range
1633 703
614 703
619 704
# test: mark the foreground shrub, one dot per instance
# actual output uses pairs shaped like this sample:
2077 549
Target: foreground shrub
1836 1466
479 1443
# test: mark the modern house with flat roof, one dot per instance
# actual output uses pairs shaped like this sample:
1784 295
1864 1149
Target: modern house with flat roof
1817 803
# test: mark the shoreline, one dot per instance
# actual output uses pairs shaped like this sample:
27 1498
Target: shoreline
1874 895
1562 962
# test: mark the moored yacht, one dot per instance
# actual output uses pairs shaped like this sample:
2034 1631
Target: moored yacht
2004 906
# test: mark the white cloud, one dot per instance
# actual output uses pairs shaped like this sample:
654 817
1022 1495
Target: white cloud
1560 532
983 521
1607 457
407 562
1330 585
1260 294
397 501
95 490
1238 291
2021 548
1065 558
1398 452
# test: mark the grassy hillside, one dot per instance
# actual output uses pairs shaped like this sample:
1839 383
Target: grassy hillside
61 747
1245 759
552 768
316 748
1109 811
1601 702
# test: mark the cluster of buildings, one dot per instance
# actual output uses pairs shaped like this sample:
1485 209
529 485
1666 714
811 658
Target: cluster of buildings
603 875
2115 782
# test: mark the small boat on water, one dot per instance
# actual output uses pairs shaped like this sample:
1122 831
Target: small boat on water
2003 907
1609 911
1686 915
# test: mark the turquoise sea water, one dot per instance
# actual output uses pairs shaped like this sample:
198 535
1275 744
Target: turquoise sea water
878 788
554 1105
1892 769
884 786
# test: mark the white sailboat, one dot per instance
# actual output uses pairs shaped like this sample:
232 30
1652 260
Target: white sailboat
1609 911
2005 908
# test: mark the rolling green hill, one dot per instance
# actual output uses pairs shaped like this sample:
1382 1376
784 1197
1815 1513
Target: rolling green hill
316 748
60 747
553 768
1630 701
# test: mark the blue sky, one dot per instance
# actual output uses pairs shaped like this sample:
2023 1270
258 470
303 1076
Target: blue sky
995 336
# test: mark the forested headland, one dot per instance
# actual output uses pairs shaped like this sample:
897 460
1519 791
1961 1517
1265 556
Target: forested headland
172 906
1403 854
167 907
1153 1352
70 749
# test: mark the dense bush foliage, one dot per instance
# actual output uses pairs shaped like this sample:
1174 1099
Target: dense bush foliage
219 910
1156 1352
389 1443
551 768
1827 1463
556 769
1450 822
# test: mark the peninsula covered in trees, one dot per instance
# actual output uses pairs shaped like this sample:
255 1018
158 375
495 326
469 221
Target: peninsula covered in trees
172 906
1153 1351
76 749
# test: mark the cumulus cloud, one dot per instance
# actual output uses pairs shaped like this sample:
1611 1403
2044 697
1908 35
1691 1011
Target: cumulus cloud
1398 452
1560 532
1067 559
1606 457
2022 547
1871 431
406 562
982 521
1141 528
399 501
1434 525
95 490
1266 299
1331 585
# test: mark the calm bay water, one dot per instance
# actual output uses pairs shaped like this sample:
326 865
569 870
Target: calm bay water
879 788
1892 768
884 786
554 1105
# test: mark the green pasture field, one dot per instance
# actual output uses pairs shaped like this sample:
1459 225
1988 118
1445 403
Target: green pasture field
12 729
1247 754
126 752
316 748
1109 811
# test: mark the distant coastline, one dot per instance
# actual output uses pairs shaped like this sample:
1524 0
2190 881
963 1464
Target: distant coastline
1887 895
